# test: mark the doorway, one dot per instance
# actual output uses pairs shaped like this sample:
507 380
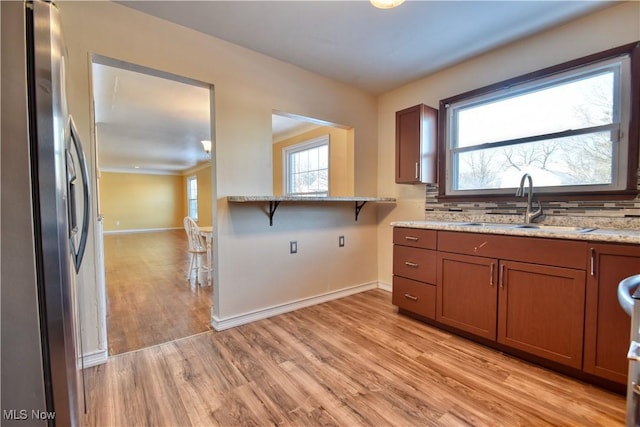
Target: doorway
149 129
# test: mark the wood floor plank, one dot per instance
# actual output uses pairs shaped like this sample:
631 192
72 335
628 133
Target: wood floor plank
194 386
350 362
149 301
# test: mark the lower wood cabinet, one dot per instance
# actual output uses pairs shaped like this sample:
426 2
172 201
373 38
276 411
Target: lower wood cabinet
533 308
607 326
416 297
467 293
414 272
541 311
551 298
414 263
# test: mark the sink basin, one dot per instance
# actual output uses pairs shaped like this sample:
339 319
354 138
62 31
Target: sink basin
483 224
557 228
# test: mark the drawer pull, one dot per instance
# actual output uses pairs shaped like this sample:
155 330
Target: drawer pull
411 238
493 266
411 264
411 297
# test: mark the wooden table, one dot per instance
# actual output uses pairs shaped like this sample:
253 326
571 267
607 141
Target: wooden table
207 233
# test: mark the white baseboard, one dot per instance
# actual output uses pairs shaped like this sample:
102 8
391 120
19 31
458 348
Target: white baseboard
231 322
142 230
385 286
95 358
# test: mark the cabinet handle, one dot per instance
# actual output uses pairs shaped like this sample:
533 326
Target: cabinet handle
502 275
592 252
493 266
411 238
411 297
411 264
417 170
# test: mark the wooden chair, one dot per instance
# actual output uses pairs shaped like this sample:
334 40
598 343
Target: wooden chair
197 248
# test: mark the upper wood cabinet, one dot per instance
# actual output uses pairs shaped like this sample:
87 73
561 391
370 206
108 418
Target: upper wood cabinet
416 145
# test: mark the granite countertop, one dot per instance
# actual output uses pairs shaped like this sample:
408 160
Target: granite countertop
547 231
309 199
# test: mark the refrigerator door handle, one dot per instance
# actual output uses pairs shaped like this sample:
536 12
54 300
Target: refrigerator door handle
84 232
72 177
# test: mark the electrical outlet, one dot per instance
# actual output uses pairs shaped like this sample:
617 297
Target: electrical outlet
341 241
293 247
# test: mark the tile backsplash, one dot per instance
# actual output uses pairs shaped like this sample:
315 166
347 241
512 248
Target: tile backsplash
623 214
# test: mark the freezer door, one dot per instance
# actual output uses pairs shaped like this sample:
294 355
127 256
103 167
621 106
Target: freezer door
21 359
43 220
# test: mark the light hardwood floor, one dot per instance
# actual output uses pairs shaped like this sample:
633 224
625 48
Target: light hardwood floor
348 362
149 300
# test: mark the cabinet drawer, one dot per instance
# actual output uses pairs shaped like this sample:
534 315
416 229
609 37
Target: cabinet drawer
414 263
415 237
416 297
556 252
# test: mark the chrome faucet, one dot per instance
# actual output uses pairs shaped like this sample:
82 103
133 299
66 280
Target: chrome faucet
529 214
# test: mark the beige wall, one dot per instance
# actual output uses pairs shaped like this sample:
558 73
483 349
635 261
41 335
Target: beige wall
340 159
134 202
611 27
253 268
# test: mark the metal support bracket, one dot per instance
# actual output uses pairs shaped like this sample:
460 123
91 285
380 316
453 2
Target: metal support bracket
359 207
272 209
273 205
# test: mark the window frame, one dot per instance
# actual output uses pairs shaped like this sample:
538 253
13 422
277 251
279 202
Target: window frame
629 186
299 147
191 178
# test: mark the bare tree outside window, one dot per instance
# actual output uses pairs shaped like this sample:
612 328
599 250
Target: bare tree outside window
562 132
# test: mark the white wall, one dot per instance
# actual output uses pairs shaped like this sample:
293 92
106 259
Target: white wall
254 269
611 27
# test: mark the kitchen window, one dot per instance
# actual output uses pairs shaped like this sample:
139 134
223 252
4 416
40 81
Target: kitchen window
569 127
192 197
307 168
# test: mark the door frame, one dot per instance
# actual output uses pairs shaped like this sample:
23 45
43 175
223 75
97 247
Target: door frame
98 229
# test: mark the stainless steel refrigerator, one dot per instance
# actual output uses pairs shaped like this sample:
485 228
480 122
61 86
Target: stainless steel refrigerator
44 215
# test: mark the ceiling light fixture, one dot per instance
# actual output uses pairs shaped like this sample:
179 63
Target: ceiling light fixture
206 145
386 4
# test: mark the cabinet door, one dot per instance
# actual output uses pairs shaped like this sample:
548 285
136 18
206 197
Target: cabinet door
467 293
416 145
541 311
608 327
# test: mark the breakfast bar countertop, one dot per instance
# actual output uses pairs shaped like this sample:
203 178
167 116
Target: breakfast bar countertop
274 201
306 199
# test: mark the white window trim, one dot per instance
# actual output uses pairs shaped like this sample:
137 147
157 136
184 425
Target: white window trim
189 179
302 146
619 158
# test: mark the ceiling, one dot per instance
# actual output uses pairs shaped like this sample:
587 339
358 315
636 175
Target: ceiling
153 123
373 49
148 123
